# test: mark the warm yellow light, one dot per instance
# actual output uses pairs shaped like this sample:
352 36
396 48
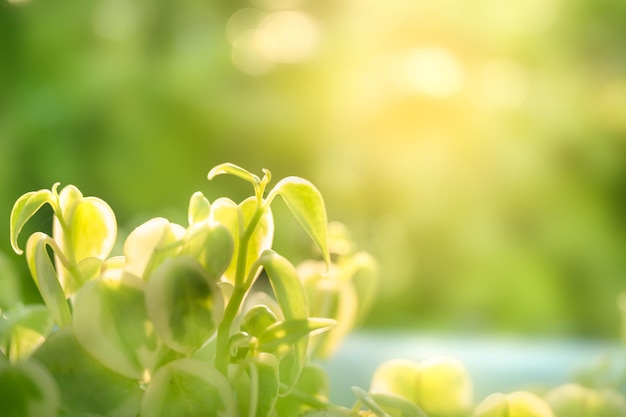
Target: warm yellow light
296 34
432 71
260 41
504 83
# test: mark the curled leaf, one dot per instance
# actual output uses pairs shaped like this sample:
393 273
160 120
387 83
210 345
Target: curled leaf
23 209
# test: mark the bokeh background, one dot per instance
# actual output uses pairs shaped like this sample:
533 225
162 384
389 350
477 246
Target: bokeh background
476 148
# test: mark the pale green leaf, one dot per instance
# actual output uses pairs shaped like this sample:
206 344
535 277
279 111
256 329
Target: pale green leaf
574 400
311 391
199 208
518 404
26 328
307 205
282 335
188 387
23 209
257 319
87 387
397 405
290 296
232 169
211 244
102 309
93 229
236 218
369 402
149 244
27 390
265 383
184 303
46 278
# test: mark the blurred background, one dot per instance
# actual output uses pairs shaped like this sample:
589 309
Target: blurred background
477 149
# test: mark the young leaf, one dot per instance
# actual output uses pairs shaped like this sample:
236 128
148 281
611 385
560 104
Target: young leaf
519 404
307 205
87 386
310 392
184 303
257 319
369 402
102 309
235 170
23 209
236 218
46 278
188 387
27 390
398 403
281 335
257 389
199 208
290 296
147 245
574 400
26 329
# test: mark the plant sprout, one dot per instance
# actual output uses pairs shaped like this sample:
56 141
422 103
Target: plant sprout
176 325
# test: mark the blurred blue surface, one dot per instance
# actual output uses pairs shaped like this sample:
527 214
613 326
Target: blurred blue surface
495 363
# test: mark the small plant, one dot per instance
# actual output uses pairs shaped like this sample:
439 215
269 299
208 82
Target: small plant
179 323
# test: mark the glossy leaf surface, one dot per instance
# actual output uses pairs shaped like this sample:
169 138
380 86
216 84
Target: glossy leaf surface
282 335
23 209
112 324
188 387
307 205
199 208
46 277
184 303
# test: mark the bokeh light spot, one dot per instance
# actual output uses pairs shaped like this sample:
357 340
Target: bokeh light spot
432 71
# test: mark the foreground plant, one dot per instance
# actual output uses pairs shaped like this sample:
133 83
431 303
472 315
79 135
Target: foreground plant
175 325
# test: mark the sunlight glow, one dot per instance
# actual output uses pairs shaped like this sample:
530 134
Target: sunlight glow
504 83
432 71
261 41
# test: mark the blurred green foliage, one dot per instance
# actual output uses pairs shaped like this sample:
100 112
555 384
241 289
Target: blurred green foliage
478 149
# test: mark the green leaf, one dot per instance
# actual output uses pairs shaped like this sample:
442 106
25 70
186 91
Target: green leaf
24 330
27 390
87 387
232 169
149 244
199 208
518 404
236 218
397 405
282 335
188 387
310 392
574 400
45 277
111 322
257 389
307 205
219 250
23 209
290 296
184 303
257 319
369 402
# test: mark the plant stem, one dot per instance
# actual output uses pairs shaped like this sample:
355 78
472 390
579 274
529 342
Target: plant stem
239 292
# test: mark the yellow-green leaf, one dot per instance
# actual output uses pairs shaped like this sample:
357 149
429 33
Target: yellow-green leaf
23 209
